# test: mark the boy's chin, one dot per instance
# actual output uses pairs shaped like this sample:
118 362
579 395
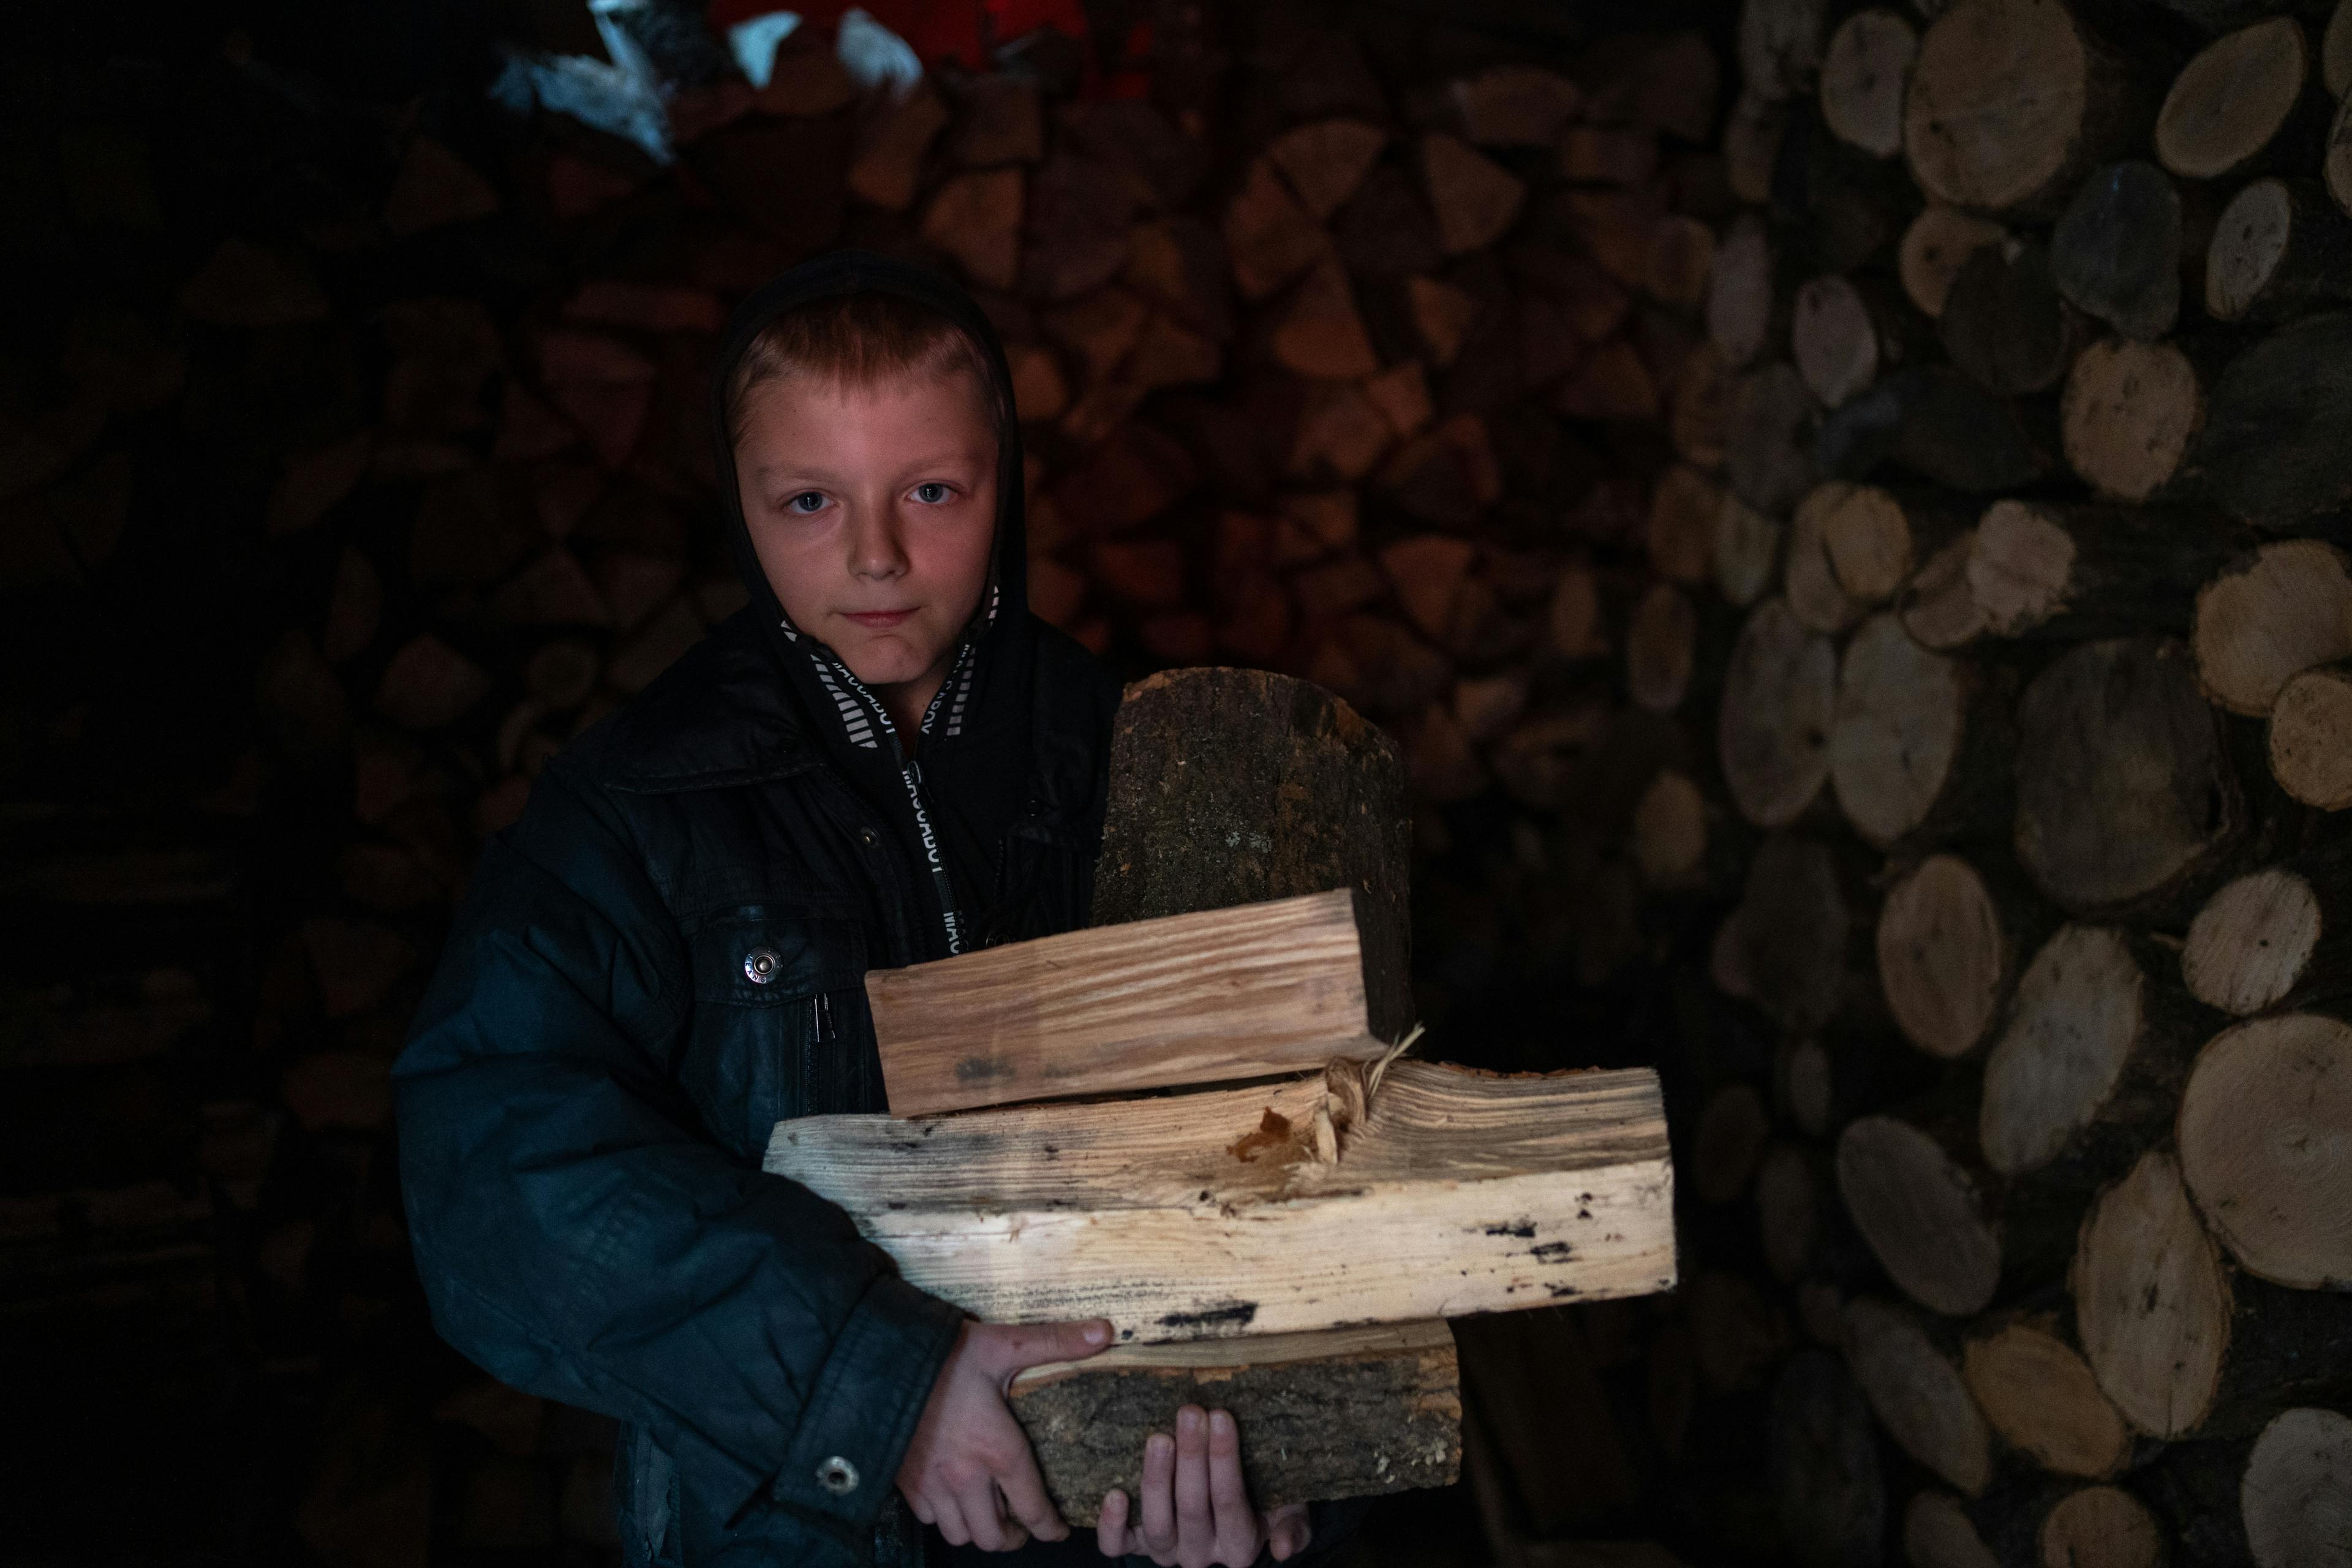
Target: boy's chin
887 661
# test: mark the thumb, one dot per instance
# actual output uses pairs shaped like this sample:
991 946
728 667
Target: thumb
1024 1345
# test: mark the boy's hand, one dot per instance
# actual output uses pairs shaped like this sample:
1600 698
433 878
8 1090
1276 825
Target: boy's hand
1195 1511
969 1467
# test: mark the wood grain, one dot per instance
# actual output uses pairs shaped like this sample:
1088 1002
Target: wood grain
1195 1215
1218 996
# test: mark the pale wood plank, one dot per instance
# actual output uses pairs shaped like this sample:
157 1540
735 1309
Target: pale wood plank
1192 1216
1212 997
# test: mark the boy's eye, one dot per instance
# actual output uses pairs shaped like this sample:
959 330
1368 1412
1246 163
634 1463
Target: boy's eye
931 492
806 501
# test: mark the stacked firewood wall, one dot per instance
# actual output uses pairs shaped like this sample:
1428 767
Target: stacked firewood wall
2025 1241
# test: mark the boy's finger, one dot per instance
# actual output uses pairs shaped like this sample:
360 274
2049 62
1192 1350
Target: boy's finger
1192 1519
977 1500
949 1517
1229 1503
1110 1526
1159 1494
1025 1499
1024 1345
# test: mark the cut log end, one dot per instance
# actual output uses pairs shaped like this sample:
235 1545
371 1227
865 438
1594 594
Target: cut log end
2249 945
2266 1113
1917 1392
2311 737
2293 1497
2039 1395
1863 73
2228 101
2268 617
1935 248
1778 708
1999 101
1902 714
2151 1299
2101 1527
1943 958
1920 1213
2129 412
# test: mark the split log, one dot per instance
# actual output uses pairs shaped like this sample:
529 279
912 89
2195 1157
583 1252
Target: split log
2296 1479
2010 103
1938 243
2038 1393
2101 1527
2262 936
2124 791
1747 550
1272 239
1785 947
2270 615
1918 743
2229 102
1876 540
1779 710
1661 648
1934 422
1753 133
1219 993
2278 423
2264 1125
1326 161
1475 199
2005 322
1744 306
2310 740
1863 73
1814 595
2281 248
1220 1212
2130 412
1201 760
1938 1534
1843 335
1826 1482
1515 105
1939 607
2115 253
1780 46
1922 1213
1946 956
2064 574
1917 1392
1768 454
1343 1413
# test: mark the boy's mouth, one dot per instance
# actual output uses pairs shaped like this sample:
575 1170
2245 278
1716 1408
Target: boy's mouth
877 620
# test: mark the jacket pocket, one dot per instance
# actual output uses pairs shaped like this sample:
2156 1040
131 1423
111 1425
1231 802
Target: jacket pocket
767 991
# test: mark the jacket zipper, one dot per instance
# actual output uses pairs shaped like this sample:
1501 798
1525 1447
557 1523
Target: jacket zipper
911 776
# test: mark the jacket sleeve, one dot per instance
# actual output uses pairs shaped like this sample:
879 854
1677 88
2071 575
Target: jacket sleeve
578 1238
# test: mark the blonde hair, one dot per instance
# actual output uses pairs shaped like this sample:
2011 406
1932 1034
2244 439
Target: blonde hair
864 338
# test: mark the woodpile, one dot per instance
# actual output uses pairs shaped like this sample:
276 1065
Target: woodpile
2047 707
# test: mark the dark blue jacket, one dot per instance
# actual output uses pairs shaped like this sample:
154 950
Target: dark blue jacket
665 957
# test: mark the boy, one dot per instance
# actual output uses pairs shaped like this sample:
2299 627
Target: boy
883 758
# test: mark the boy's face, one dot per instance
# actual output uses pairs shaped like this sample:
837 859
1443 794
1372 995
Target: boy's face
873 510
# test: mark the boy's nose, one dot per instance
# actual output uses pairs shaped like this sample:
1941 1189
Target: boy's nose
874 547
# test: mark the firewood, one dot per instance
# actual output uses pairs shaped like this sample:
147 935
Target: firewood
1752 136
1779 699
1917 1392
1768 454
1843 336
2257 938
1862 77
1921 1213
1939 607
1393 1392
1829 1492
1616 228
1747 550
1679 537
1698 422
1484 707
1938 243
2295 1480
430 684
2276 1208
1515 105
1320 333
2310 741
1947 958
2101 1527
435 187
2232 98
2335 51
1682 255
1573 626
1938 1534
2010 103
1940 424
2038 1393
2115 733
1488 1192
1431 573
2278 421
2005 322
2335 168
1742 297
2269 615
2130 412
1475 200
2069 572
1326 161
2115 253
999 118
1272 238
1661 646
1815 597
1779 45
976 218
1274 760
1613 383
2281 248
1786 946
1608 155
1669 83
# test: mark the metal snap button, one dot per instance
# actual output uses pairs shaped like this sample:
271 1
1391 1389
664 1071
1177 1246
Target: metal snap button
866 836
760 965
837 1475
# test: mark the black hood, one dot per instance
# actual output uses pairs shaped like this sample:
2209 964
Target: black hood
951 806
